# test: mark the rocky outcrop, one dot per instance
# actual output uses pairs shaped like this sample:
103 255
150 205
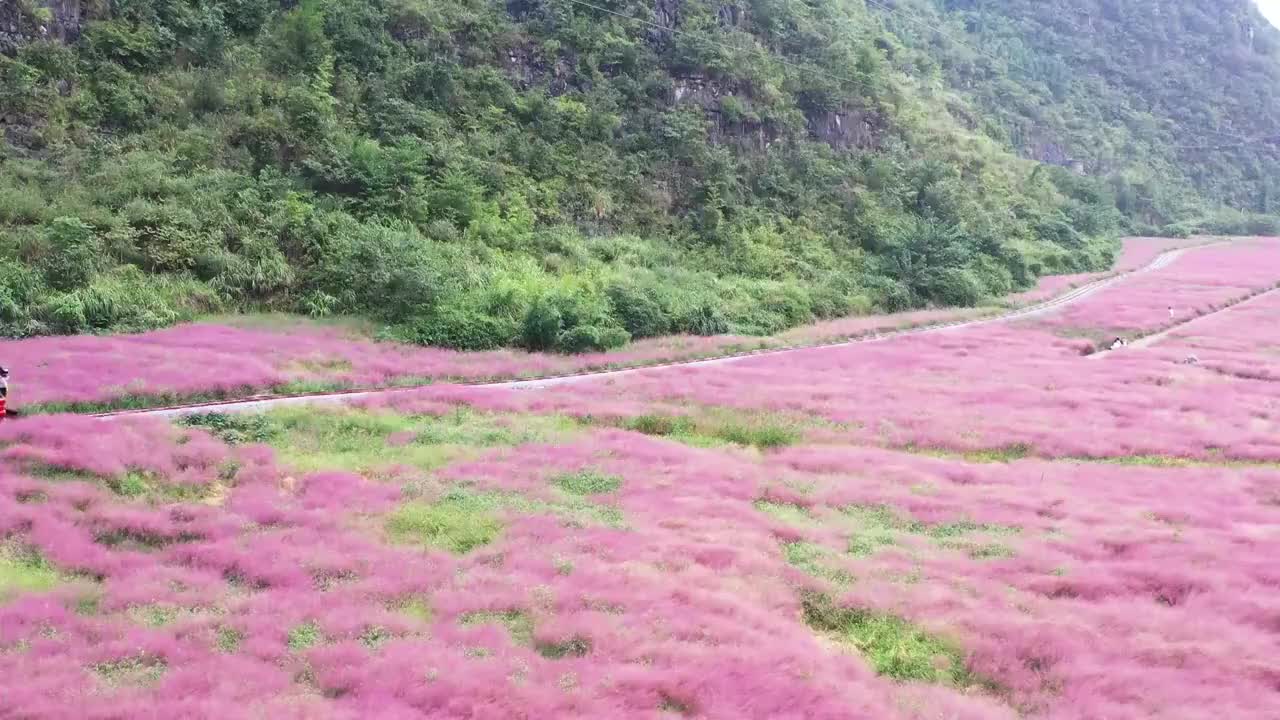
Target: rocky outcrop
845 128
24 21
530 67
1051 153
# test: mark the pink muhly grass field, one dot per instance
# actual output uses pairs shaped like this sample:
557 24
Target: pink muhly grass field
218 360
1135 253
976 524
1241 341
279 597
851 327
973 389
1199 282
266 595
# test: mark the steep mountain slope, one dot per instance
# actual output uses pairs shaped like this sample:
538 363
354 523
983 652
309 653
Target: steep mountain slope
555 174
1175 102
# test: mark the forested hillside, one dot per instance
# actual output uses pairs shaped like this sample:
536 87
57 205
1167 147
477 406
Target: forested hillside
562 174
1175 102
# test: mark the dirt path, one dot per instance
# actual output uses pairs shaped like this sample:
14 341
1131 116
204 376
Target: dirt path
336 398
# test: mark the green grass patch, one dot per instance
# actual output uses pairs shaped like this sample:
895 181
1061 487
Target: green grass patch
59 473
765 436
24 570
147 487
660 425
138 670
305 636
233 428
415 608
869 543
518 623
874 527
786 512
587 482
675 706
878 523
128 400
892 646
89 603
375 637
714 427
576 646
812 559
132 485
982 551
1020 451
366 441
156 615
572 510
228 639
457 522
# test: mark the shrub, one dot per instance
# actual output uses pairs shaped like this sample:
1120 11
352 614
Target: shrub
460 329
587 338
638 310
127 300
133 46
71 254
297 41
995 278
702 318
63 313
18 85
953 286
258 272
540 329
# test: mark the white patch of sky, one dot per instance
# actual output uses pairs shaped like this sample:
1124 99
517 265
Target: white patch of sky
1270 8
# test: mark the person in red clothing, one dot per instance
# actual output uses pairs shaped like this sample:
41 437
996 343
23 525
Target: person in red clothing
4 391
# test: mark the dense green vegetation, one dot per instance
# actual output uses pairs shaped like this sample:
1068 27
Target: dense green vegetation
542 174
1174 103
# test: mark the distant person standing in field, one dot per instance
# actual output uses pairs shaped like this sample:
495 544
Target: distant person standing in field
1170 312
4 390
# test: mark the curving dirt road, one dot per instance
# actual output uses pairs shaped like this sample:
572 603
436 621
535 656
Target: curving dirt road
340 397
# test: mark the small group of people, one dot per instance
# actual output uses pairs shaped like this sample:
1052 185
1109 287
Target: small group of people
1118 343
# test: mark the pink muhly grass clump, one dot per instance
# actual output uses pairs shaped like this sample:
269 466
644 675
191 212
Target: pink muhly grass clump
89 445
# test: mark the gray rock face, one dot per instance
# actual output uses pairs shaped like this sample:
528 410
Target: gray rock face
24 21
